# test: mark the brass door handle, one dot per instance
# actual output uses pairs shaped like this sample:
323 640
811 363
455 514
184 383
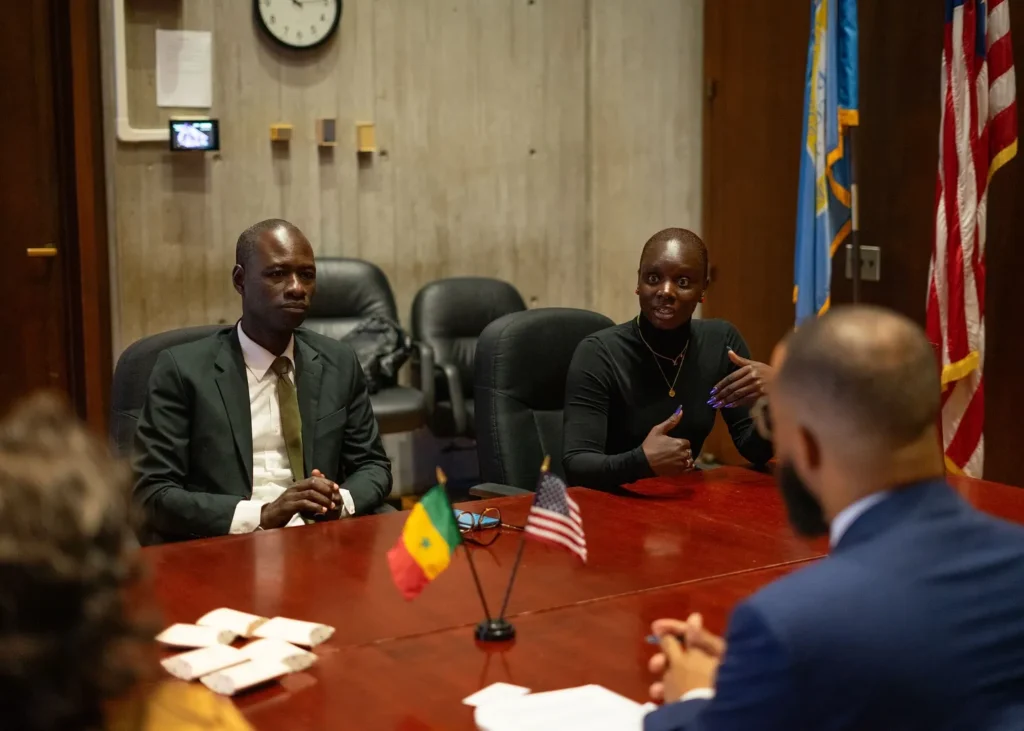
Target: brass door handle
41 251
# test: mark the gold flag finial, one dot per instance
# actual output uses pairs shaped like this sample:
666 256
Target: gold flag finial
442 479
546 464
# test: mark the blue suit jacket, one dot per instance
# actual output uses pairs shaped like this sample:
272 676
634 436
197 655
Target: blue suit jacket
915 621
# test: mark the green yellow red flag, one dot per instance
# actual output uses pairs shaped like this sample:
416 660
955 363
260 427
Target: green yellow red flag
425 548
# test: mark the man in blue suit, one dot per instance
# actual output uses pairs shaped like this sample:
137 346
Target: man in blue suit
916 619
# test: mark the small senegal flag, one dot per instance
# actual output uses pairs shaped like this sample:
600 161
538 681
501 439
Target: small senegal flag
428 540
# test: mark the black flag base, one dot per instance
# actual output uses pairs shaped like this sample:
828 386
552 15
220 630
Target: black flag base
495 630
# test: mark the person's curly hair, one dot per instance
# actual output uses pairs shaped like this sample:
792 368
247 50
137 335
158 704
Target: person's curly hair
67 642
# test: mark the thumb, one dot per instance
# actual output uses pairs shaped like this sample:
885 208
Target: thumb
738 359
672 649
670 423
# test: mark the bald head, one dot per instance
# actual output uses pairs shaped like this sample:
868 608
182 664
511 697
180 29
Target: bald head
863 374
681 237
249 239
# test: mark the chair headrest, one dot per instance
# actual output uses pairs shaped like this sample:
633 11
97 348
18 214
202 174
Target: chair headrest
351 288
538 342
461 307
131 375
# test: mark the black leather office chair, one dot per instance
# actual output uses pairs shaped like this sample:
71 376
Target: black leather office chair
347 292
521 364
131 380
448 316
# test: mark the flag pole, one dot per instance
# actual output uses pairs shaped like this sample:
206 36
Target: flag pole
442 480
854 218
545 466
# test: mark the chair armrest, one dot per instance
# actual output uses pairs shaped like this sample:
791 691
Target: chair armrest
493 489
423 369
451 374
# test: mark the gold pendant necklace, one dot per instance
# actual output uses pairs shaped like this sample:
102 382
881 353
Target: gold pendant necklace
680 359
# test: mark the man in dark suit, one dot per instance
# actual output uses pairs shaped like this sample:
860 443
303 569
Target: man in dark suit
255 426
916 619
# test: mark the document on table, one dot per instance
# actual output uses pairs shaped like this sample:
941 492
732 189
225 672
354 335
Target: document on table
588 707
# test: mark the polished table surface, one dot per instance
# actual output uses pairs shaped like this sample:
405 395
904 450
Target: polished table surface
701 542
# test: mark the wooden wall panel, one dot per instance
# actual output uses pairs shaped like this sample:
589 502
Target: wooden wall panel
897 155
645 91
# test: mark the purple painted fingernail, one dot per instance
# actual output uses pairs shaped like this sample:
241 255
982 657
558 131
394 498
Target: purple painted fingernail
714 391
678 411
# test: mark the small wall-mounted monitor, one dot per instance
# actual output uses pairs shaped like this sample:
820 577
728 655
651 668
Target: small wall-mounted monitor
195 134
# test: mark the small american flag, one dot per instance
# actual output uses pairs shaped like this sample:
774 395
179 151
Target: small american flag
555 517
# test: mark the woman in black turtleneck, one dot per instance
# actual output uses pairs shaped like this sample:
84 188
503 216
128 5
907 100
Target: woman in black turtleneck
641 397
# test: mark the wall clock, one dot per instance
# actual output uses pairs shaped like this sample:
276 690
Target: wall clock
299 24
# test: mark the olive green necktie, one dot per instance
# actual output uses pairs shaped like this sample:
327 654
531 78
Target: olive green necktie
291 422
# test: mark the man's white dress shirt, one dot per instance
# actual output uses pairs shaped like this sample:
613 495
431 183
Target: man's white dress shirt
271 471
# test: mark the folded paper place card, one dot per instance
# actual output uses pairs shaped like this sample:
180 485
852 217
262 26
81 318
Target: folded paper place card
196 663
192 635
284 652
239 677
307 634
241 623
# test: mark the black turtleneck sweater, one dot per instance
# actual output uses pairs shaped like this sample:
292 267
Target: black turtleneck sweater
615 395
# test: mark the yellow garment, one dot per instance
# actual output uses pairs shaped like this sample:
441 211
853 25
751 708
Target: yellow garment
177 706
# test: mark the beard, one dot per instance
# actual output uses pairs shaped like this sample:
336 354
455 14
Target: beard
804 511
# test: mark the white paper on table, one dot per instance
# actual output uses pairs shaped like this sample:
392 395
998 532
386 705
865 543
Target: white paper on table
284 652
196 663
495 692
239 677
241 623
586 708
307 634
192 635
184 68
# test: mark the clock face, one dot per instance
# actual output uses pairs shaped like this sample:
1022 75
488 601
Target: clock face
299 23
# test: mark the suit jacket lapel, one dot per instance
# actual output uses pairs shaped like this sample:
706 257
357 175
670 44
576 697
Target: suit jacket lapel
307 375
234 391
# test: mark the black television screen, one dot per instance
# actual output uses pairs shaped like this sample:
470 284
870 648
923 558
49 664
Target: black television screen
195 134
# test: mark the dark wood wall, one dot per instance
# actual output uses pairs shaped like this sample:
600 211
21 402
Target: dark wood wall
897 154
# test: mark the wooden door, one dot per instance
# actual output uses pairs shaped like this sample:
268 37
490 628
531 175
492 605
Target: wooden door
32 288
754 59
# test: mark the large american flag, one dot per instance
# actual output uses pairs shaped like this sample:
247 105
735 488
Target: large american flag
977 136
555 517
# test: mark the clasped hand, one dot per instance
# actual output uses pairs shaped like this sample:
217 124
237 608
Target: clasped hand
683 669
315 495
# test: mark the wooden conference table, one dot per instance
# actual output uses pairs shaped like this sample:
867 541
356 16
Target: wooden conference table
701 543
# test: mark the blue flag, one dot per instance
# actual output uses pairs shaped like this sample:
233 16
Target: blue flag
830 106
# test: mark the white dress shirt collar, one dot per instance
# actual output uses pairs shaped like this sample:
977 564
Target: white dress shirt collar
848 516
257 358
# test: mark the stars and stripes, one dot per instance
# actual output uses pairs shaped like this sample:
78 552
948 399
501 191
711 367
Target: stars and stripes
977 136
555 516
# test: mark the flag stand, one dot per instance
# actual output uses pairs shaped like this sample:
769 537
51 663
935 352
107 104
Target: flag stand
854 222
512 580
489 629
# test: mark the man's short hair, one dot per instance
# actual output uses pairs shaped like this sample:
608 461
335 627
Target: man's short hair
249 239
684 236
864 371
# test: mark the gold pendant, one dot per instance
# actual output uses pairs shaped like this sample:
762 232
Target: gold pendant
671 393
